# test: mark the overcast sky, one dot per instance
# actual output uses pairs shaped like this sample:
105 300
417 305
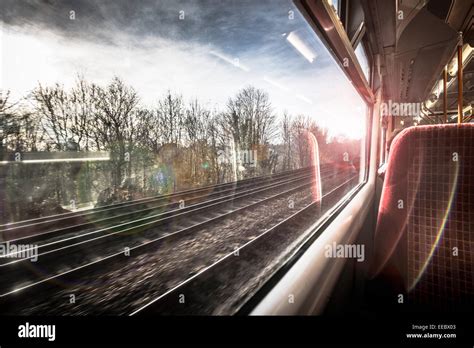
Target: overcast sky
218 48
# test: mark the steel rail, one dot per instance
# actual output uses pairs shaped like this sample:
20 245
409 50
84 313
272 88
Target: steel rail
150 243
84 228
170 298
122 205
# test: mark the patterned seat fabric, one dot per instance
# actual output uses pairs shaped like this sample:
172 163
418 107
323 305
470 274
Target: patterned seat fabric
425 228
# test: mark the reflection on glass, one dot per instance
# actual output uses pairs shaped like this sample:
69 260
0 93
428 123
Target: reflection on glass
108 115
363 61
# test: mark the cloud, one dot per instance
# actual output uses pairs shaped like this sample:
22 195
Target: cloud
196 58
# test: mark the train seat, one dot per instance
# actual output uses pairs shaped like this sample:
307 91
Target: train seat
424 239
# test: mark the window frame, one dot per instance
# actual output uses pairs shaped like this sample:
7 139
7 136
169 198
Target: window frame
318 14
328 27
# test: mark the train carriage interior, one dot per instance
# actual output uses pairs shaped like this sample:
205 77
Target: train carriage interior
199 157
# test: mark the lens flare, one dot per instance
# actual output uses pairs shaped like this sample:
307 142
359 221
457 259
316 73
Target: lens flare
314 152
440 232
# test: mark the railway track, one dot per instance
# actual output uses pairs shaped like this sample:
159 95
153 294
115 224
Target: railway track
63 258
102 225
36 229
217 289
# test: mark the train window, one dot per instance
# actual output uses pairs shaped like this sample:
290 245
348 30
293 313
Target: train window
363 60
335 5
201 141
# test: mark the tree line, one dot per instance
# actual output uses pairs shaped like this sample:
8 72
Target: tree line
175 145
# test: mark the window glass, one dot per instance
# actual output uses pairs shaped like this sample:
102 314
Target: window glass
335 4
109 111
363 61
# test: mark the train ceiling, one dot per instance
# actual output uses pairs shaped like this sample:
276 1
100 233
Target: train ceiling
415 39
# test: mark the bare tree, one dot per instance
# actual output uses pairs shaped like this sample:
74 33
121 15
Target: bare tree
116 117
287 141
10 123
299 129
53 104
170 117
250 122
249 117
84 98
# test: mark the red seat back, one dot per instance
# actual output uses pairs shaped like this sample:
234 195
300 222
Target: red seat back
425 228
